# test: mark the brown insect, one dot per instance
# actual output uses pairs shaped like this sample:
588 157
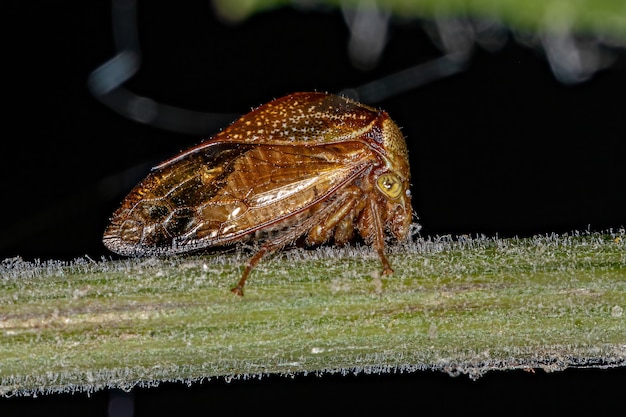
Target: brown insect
309 167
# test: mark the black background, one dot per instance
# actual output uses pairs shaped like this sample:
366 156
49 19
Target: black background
499 149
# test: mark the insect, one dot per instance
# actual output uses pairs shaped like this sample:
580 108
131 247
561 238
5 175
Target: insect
308 167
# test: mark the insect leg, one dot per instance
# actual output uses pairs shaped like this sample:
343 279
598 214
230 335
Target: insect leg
305 226
238 289
346 205
379 237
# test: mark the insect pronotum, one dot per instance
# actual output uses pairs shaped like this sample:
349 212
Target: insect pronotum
307 167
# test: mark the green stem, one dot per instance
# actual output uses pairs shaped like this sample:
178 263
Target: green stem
466 305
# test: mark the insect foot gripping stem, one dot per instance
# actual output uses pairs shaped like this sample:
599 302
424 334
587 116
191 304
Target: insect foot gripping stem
238 289
268 178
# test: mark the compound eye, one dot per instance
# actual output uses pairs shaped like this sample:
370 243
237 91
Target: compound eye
390 185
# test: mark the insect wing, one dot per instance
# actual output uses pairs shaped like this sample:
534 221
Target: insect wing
221 192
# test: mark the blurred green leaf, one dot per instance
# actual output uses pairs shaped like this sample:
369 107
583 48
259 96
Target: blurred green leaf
606 17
